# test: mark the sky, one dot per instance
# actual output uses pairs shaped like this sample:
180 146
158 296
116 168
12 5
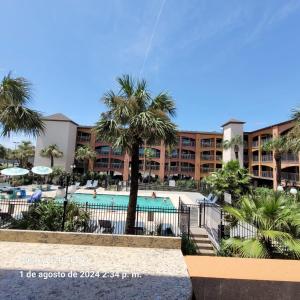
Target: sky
218 59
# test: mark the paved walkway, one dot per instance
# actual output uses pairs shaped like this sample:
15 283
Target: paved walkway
91 272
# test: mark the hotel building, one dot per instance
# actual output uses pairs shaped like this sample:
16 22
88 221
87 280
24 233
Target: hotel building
197 154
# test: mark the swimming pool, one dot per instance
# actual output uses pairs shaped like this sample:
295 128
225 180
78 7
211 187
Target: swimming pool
122 200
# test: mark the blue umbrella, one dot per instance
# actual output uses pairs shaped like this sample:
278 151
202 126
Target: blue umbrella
41 170
14 171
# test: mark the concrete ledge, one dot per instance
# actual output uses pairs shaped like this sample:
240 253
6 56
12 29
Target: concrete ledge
76 238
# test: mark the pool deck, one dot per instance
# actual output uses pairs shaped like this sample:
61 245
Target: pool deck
123 272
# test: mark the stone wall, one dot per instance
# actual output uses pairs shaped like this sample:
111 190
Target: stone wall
139 241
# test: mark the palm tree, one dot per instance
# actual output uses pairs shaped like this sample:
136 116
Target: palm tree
3 152
278 146
52 151
293 137
275 220
24 152
133 119
84 154
15 116
234 143
169 151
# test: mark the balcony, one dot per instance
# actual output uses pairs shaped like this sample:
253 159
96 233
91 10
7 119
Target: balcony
117 166
255 172
101 165
255 158
117 153
267 158
207 144
267 174
153 167
188 144
206 170
187 156
219 145
207 157
187 169
290 157
265 140
103 153
290 176
83 138
246 158
255 144
219 157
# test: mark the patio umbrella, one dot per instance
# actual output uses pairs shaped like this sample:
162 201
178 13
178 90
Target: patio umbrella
41 170
14 171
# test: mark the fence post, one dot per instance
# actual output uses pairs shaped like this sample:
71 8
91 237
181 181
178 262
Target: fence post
189 223
137 218
85 225
200 215
64 215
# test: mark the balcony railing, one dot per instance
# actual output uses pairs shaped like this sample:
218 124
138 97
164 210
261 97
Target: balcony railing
117 153
255 172
207 144
117 166
267 157
290 176
153 167
255 144
187 156
255 158
187 169
103 153
246 158
206 170
101 165
219 145
290 157
218 157
207 157
266 140
83 138
267 174
188 144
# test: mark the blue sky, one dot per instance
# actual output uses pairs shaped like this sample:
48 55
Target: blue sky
218 59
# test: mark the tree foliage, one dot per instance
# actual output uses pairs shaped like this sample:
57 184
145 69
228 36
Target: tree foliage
52 151
230 179
275 219
15 115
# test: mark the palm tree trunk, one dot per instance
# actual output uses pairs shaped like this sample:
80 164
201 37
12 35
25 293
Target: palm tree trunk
169 168
134 185
52 161
277 157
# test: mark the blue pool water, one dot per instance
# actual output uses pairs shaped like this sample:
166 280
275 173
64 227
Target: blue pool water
121 200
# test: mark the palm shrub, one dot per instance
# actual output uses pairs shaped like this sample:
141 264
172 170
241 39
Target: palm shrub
48 215
275 218
230 179
134 118
84 154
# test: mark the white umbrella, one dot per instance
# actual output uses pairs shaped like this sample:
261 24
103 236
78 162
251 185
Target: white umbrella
14 171
41 170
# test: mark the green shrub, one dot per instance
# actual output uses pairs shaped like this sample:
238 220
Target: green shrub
188 247
48 215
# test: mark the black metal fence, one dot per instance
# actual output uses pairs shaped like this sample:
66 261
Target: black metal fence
106 218
219 225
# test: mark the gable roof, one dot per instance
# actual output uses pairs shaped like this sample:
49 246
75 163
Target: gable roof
233 121
58 117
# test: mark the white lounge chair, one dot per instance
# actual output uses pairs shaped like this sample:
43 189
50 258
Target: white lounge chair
77 185
211 201
88 184
95 184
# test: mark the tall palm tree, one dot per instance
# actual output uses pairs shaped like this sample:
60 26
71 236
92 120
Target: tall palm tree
234 143
278 145
24 152
84 154
15 116
52 151
293 137
3 152
132 119
275 221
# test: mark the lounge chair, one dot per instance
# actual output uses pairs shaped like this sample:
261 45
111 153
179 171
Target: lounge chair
212 200
77 185
36 197
105 226
88 184
95 184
